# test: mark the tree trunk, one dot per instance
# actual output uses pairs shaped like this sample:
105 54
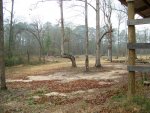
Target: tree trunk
43 55
110 52
10 53
97 62
40 54
107 10
2 62
87 38
62 28
63 55
28 56
72 58
118 50
110 45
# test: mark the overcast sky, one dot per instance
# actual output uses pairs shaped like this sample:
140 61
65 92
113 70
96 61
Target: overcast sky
29 10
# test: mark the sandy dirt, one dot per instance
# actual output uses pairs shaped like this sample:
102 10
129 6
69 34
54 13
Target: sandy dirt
66 76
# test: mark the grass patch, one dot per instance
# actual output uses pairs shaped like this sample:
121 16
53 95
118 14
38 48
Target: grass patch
36 63
40 91
139 104
119 97
30 101
143 102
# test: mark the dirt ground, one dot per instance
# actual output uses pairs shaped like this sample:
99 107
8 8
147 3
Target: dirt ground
58 88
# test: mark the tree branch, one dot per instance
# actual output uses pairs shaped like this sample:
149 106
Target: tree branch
120 10
104 35
88 4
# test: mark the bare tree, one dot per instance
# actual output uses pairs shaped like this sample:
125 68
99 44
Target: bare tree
11 30
98 36
86 37
63 54
107 11
98 46
97 63
2 62
122 14
38 32
120 17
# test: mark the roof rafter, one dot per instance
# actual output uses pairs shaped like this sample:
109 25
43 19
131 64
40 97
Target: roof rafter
142 7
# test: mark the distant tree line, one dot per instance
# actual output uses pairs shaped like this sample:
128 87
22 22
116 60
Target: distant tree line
41 40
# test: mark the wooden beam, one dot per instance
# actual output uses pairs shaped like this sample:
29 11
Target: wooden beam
138 46
147 3
138 21
139 68
141 9
131 52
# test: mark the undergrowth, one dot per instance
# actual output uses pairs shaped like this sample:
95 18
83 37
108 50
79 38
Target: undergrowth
139 104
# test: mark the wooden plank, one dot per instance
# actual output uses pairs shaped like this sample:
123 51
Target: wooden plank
138 46
139 68
141 9
138 21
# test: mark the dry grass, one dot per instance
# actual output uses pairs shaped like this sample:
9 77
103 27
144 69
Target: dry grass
57 64
26 70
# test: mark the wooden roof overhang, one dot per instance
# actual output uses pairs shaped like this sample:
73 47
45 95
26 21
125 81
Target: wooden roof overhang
142 7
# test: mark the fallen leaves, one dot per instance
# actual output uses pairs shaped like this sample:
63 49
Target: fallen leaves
100 98
58 86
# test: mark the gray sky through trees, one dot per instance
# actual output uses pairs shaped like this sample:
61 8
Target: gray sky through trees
29 10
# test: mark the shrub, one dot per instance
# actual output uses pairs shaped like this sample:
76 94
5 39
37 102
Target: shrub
14 60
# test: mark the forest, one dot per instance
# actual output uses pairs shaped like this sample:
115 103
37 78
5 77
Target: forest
64 67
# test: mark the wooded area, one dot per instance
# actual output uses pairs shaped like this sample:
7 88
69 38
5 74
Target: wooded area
37 55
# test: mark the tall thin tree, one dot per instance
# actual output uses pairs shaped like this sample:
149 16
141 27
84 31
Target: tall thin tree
86 37
120 17
99 37
11 30
107 11
63 54
2 63
97 62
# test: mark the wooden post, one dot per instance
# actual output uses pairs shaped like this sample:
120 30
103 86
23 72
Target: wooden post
131 53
